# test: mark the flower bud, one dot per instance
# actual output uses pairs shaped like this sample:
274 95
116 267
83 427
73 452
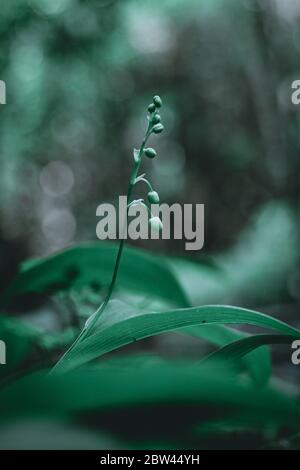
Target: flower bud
156 224
151 108
156 118
158 128
150 153
157 101
153 197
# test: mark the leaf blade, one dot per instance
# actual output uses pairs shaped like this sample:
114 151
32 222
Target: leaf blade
85 264
150 324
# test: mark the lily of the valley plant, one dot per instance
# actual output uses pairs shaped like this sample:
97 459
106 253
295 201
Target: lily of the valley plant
154 127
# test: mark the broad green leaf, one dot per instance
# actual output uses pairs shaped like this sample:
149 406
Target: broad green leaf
258 363
237 349
149 324
92 264
115 385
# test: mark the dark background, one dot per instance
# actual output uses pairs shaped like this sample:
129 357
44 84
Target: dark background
80 75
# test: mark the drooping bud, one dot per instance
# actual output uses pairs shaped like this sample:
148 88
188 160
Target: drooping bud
156 118
153 197
150 153
158 128
156 224
151 108
157 101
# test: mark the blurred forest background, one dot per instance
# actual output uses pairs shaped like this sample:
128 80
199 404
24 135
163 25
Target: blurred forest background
79 76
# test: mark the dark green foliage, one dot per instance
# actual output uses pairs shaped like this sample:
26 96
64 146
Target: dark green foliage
169 364
244 402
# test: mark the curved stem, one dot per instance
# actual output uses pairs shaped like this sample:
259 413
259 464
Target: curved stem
130 188
95 317
147 183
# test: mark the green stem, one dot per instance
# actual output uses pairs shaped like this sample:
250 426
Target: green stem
122 242
147 183
95 317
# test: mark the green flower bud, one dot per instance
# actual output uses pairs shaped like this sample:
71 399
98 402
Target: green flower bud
151 108
153 197
156 118
156 224
158 128
150 153
157 101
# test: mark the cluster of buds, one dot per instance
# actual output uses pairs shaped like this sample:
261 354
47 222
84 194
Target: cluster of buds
155 118
155 127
